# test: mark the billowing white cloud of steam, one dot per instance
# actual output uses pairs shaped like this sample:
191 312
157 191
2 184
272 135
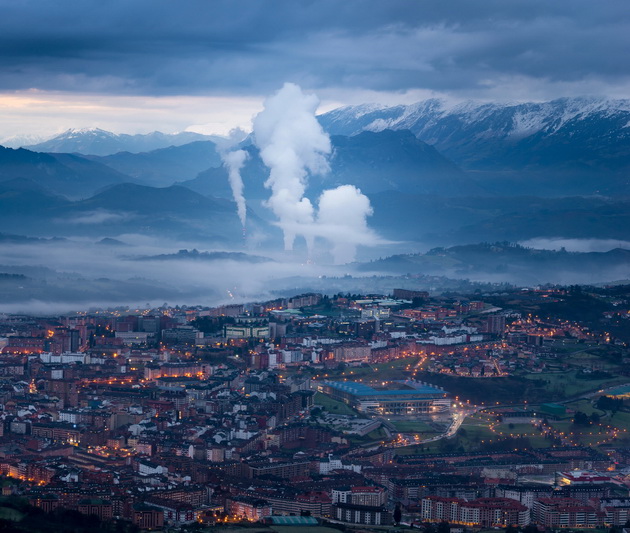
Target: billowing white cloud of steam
234 161
341 218
292 143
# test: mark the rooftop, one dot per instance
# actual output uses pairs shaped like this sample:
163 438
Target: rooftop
360 389
292 520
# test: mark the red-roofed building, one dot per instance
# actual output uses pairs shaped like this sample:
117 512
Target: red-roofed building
581 477
566 512
485 512
375 496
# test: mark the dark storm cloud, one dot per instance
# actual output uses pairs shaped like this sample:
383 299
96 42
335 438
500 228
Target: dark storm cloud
198 47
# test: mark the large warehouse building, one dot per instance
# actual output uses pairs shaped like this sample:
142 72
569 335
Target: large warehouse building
411 398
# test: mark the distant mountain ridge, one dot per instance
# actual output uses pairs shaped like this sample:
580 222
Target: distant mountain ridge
439 220
434 121
395 160
195 255
67 174
565 147
511 172
95 141
508 262
164 166
19 141
173 212
572 137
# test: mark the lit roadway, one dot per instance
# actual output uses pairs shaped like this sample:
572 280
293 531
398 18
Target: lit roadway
460 414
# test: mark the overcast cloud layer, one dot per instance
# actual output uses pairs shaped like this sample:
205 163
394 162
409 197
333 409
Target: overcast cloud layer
208 56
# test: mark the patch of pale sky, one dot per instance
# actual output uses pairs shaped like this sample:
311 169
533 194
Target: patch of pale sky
48 113
45 113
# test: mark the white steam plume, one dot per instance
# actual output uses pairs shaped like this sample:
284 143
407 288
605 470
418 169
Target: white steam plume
292 144
234 162
341 219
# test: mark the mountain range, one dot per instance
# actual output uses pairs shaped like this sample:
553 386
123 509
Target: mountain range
173 212
505 262
439 220
568 146
164 166
95 141
65 174
565 146
435 174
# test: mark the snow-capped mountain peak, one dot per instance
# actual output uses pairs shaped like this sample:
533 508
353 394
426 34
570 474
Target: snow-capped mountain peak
572 132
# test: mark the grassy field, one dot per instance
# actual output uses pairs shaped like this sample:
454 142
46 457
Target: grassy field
585 406
475 430
375 436
476 433
589 360
566 346
472 433
304 529
620 420
6 513
391 370
333 406
236 529
593 435
536 438
524 429
412 426
567 384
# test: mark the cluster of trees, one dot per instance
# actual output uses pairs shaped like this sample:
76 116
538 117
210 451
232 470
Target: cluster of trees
582 419
608 403
507 444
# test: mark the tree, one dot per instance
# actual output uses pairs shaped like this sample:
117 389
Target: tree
397 514
444 527
607 403
581 419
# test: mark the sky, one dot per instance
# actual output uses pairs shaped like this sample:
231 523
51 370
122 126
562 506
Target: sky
135 66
